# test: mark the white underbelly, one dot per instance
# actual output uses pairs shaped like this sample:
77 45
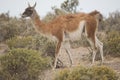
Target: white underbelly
76 35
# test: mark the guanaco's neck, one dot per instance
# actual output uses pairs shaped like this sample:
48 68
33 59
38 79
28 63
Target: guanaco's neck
38 24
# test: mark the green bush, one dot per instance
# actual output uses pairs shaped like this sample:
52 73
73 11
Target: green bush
45 45
8 30
11 28
20 42
62 75
40 43
22 64
50 48
83 73
112 44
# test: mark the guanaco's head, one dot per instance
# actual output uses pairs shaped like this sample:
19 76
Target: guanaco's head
97 15
29 11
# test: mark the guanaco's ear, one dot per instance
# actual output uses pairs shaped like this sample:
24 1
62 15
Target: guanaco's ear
29 4
34 5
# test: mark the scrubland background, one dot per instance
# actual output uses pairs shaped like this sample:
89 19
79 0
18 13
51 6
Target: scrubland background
27 55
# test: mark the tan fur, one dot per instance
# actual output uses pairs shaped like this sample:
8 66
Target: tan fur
68 23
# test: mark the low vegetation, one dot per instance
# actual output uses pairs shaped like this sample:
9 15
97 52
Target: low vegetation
30 53
83 73
112 44
22 64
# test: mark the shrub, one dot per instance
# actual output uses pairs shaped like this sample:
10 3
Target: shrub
50 48
93 73
63 75
7 31
22 64
11 28
40 43
20 42
112 44
45 45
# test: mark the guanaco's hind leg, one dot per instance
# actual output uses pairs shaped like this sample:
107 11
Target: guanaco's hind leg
96 45
100 47
94 49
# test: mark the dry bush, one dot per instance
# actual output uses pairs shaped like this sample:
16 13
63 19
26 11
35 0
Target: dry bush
112 44
20 42
83 73
22 64
11 28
